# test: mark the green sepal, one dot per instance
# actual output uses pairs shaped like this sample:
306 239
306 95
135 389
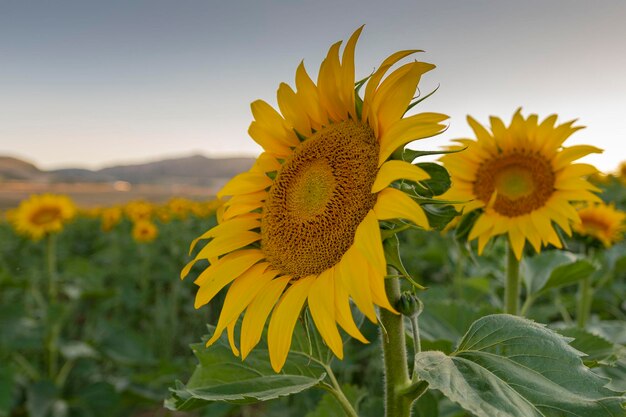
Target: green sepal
409 155
438 183
419 100
466 224
439 216
391 247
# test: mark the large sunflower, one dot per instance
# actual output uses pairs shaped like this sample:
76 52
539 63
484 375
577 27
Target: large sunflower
522 179
302 224
40 215
602 222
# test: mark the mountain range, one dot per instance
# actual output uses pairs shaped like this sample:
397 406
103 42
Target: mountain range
196 170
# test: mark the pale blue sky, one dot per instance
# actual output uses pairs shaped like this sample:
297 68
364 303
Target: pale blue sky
90 83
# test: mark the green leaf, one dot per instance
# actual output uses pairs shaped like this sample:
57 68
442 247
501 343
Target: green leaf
448 319
42 396
426 406
508 366
554 269
221 376
599 350
329 406
7 384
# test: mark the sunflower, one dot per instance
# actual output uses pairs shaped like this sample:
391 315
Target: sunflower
522 178
40 215
602 222
144 231
110 217
302 224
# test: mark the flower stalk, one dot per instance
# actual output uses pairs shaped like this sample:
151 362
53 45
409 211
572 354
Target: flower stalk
512 286
395 356
585 296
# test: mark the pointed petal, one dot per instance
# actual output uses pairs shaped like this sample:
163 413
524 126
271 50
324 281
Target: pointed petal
352 277
391 171
257 312
342 310
283 321
246 182
394 204
240 295
368 241
322 307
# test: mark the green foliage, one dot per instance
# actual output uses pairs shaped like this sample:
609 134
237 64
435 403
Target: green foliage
510 366
220 376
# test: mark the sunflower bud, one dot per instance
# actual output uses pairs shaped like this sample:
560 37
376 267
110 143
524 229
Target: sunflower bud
409 305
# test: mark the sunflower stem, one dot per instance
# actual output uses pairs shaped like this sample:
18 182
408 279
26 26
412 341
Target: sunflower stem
585 295
395 356
53 330
511 290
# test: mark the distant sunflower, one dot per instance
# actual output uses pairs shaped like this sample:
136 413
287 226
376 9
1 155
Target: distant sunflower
144 231
43 214
302 224
602 222
522 178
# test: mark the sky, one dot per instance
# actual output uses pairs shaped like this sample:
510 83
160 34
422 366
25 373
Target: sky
94 83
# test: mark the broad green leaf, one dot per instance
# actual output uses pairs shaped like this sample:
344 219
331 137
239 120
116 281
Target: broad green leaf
329 406
41 398
426 406
221 376
448 319
554 269
599 350
508 366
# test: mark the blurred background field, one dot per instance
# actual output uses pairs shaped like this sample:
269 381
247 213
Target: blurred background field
104 328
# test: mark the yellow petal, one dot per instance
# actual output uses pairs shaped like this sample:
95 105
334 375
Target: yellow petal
269 142
322 307
394 94
482 226
567 155
391 171
374 80
293 111
342 310
352 277
273 123
394 204
241 224
517 240
347 73
227 243
309 97
257 312
246 182
283 321
231 337
368 241
377 287
226 269
240 294
406 130
327 85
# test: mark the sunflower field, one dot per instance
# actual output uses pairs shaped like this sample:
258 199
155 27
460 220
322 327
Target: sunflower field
340 276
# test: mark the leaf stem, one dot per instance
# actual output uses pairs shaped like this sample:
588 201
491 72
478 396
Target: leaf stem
338 393
53 330
511 290
394 356
585 295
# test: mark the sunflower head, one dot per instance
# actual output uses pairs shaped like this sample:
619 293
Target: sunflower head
40 215
601 222
301 227
110 217
144 231
521 178
139 210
